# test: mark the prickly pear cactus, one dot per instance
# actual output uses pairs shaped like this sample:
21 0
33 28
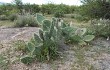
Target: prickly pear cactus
45 45
40 18
27 59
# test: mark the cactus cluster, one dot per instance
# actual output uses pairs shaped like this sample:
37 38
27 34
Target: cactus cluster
45 45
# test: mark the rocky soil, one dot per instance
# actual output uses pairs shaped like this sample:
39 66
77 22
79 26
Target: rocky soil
95 57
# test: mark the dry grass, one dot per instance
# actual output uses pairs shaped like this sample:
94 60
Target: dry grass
68 19
6 23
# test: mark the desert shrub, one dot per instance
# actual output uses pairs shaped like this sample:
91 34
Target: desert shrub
59 14
20 45
13 17
72 16
27 20
3 17
80 17
32 21
101 27
21 21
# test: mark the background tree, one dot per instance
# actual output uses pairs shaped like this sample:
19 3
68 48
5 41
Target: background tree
95 8
19 5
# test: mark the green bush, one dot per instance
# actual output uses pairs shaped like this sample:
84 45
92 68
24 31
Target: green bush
72 16
3 62
59 14
20 45
21 21
101 27
13 17
32 21
80 17
27 20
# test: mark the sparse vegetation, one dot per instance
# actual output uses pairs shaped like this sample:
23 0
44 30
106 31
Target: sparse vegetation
101 27
20 45
13 17
56 36
3 63
27 20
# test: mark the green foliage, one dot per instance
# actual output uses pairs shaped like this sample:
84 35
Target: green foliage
45 45
78 35
51 8
20 45
31 21
59 14
26 59
88 38
21 21
100 27
79 17
48 8
19 5
13 17
83 38
31 8
40 18
28 20
62 9
3 62
72 16
95 9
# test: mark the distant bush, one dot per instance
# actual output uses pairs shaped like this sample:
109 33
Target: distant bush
101 27
80 17
13 17
32 21
59 14
3 17
27 20
72 16
21 21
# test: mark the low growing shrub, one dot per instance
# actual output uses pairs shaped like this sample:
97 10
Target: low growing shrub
32 21
26 20
20 45
59 14
13 17
80 17
21 21
72 16
101 27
